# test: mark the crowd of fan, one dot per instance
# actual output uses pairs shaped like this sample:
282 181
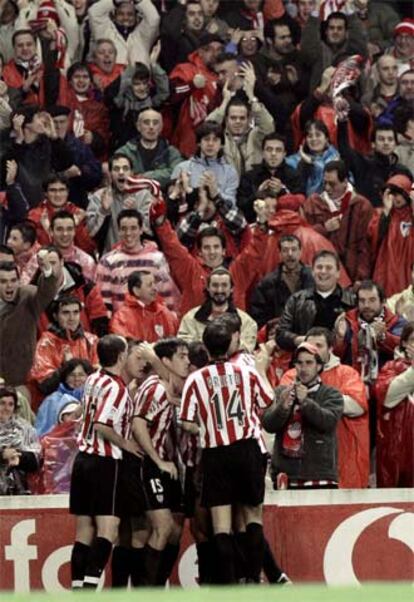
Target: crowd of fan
167 161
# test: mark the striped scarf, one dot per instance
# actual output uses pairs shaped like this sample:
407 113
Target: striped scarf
137 183
367 351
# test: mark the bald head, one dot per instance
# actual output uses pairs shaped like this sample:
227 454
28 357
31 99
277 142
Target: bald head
387 70
149 126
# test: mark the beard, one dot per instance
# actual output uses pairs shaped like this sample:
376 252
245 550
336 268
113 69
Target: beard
219 299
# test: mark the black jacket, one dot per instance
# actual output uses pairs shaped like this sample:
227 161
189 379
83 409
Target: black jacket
321 411
35 162
270 296
370 171
176 42
252 179
300 311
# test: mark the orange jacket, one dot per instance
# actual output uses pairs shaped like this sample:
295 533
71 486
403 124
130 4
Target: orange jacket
14 78
51 348
352 432
146 322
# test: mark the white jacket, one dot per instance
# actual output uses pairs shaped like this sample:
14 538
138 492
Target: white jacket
192 330
138 44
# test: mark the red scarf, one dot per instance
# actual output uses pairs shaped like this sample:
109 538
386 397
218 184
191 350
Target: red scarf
293 435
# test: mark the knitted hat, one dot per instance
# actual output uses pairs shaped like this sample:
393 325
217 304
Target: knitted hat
47 10
406 26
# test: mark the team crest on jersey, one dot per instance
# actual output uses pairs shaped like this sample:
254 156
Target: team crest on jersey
160 498
405 228
159 329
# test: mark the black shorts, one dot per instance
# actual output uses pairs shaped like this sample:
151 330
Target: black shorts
160 490
233 474
132 500
95 486
190 491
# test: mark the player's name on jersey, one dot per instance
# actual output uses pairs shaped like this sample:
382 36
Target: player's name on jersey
223 380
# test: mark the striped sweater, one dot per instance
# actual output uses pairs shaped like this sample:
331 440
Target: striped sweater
115 267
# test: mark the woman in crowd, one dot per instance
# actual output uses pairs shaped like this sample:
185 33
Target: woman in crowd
55 406
313 155
19 445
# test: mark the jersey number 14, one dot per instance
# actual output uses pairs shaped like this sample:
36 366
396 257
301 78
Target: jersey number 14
233 410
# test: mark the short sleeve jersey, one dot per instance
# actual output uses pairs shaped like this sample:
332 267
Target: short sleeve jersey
223 398
106 401
151 404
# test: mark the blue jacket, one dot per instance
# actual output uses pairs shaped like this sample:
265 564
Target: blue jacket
226 175
312 174
48 414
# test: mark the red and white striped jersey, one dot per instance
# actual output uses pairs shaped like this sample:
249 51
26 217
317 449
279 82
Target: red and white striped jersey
243 359
246 359
106 401
223 398
151 403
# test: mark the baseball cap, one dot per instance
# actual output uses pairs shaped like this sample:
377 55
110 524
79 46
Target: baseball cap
400 182
309 348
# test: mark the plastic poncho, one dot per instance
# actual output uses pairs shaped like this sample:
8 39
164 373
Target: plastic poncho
395 430
19 434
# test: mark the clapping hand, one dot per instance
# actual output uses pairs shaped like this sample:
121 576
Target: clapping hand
247 72
387 202
209 181
301 392
340 326
333 224
287 397
11 172
155 53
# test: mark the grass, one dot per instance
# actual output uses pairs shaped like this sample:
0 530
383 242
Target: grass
375 592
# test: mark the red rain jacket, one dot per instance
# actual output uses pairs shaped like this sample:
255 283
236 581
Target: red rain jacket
395 252
146 322
289 222
395 432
